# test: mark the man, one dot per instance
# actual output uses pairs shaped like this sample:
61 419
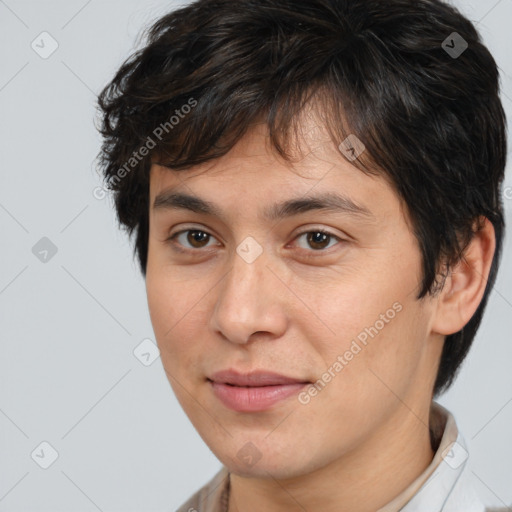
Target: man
314 189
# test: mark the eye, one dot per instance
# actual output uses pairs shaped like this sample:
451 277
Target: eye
195 237
318 239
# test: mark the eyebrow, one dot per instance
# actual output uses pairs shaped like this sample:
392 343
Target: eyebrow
328 201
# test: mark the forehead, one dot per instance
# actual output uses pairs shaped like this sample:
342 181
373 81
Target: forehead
251 174
313 155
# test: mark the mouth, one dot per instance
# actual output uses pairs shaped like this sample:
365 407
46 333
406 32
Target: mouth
253 392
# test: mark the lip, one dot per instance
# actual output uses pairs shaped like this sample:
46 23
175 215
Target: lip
253 379
255 391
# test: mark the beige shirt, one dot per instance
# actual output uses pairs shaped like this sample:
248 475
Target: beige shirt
442 487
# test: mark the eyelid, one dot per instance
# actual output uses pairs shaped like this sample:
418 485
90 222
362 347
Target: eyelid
319 229
310 253
186 228
309 229
178 247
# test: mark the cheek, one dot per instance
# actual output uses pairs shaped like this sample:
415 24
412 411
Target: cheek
159 303
164 292
177 317
165 308
349 311
371 326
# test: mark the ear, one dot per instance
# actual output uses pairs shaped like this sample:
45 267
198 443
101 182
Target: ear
465 285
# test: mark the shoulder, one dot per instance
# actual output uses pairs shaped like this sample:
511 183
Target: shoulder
209 497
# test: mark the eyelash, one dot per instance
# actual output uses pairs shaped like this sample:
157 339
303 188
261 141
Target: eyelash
320 230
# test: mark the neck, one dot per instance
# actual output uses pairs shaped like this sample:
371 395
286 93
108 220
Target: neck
364 479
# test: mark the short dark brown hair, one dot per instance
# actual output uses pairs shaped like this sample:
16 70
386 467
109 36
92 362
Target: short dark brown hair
432 122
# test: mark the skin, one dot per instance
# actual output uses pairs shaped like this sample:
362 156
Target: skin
364 437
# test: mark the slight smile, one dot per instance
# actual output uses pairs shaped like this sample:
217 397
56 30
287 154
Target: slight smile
253 392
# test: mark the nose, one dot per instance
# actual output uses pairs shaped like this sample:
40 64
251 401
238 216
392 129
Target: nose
247 302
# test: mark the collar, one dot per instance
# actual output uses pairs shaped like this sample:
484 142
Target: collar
444 485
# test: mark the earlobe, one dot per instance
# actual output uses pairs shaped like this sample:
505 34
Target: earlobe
465 285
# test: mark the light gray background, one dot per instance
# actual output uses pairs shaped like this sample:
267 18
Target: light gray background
68 375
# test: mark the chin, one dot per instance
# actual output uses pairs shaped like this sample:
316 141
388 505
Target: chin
252 460
282 470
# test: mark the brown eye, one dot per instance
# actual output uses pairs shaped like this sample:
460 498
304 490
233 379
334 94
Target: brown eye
197 238
191 239
318 240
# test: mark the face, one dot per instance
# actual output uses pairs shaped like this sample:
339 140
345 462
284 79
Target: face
323 296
